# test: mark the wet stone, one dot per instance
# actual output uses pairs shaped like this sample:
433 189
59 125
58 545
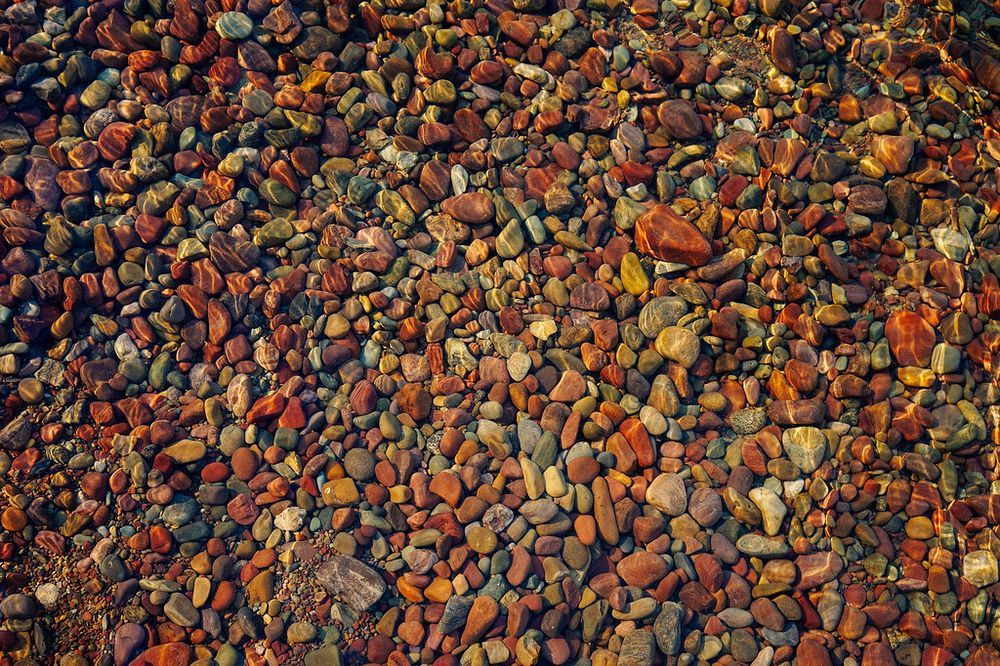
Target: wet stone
234 25
979 568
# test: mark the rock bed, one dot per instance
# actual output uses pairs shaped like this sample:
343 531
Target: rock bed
530 331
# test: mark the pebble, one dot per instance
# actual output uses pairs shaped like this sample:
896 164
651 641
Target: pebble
358 584
667 493
679 344
663 234
18 607
806 447
980 568
181 611
234 25
772 509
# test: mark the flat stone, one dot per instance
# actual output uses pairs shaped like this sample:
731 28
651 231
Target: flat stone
328 655
680 119
234 25
638 649
663 234
772 509
894 152
910 337
456 610
950 243
642 569
480 618
355 582
667 493
18 607
659 313
667 628
470 207
756 545
817 569
181 611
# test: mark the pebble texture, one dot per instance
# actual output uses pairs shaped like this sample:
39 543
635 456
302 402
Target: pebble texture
499 332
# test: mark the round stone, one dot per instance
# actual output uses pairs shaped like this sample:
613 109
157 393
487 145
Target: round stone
234 25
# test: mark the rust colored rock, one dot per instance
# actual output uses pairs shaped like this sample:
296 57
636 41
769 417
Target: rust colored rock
911 338
817 569
868 200
114 140
894 152
166 654
796 412
415 401
242 509
693 67
470 126
811 651
642 569
435 180
637 437
787 155
470 207
481 616
987 70
589 296
663 234
783 51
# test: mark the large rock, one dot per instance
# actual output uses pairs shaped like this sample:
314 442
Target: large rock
663 234
659 313
638 649
18 607
911 338
667 628
772 509
678 344
181 611
129 639
680 119
15 435
667 493
456 610
817 569
806 447
166 654
483 612
980 568
783 51
328 655
470 207
354 581
642 569
797 412
987 70
894 152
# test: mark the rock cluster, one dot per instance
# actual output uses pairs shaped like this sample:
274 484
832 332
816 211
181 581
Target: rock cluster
499 332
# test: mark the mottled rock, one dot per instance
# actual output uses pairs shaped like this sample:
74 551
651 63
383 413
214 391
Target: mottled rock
355 582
